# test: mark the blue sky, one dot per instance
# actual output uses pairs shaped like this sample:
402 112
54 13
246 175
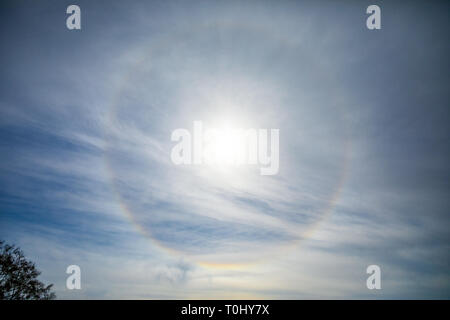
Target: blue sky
86 118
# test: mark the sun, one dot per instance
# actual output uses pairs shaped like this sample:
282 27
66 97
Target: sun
224 146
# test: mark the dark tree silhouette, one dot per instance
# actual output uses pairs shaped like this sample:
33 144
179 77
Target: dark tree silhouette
18 277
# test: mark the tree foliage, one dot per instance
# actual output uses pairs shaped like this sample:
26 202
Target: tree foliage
18 277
